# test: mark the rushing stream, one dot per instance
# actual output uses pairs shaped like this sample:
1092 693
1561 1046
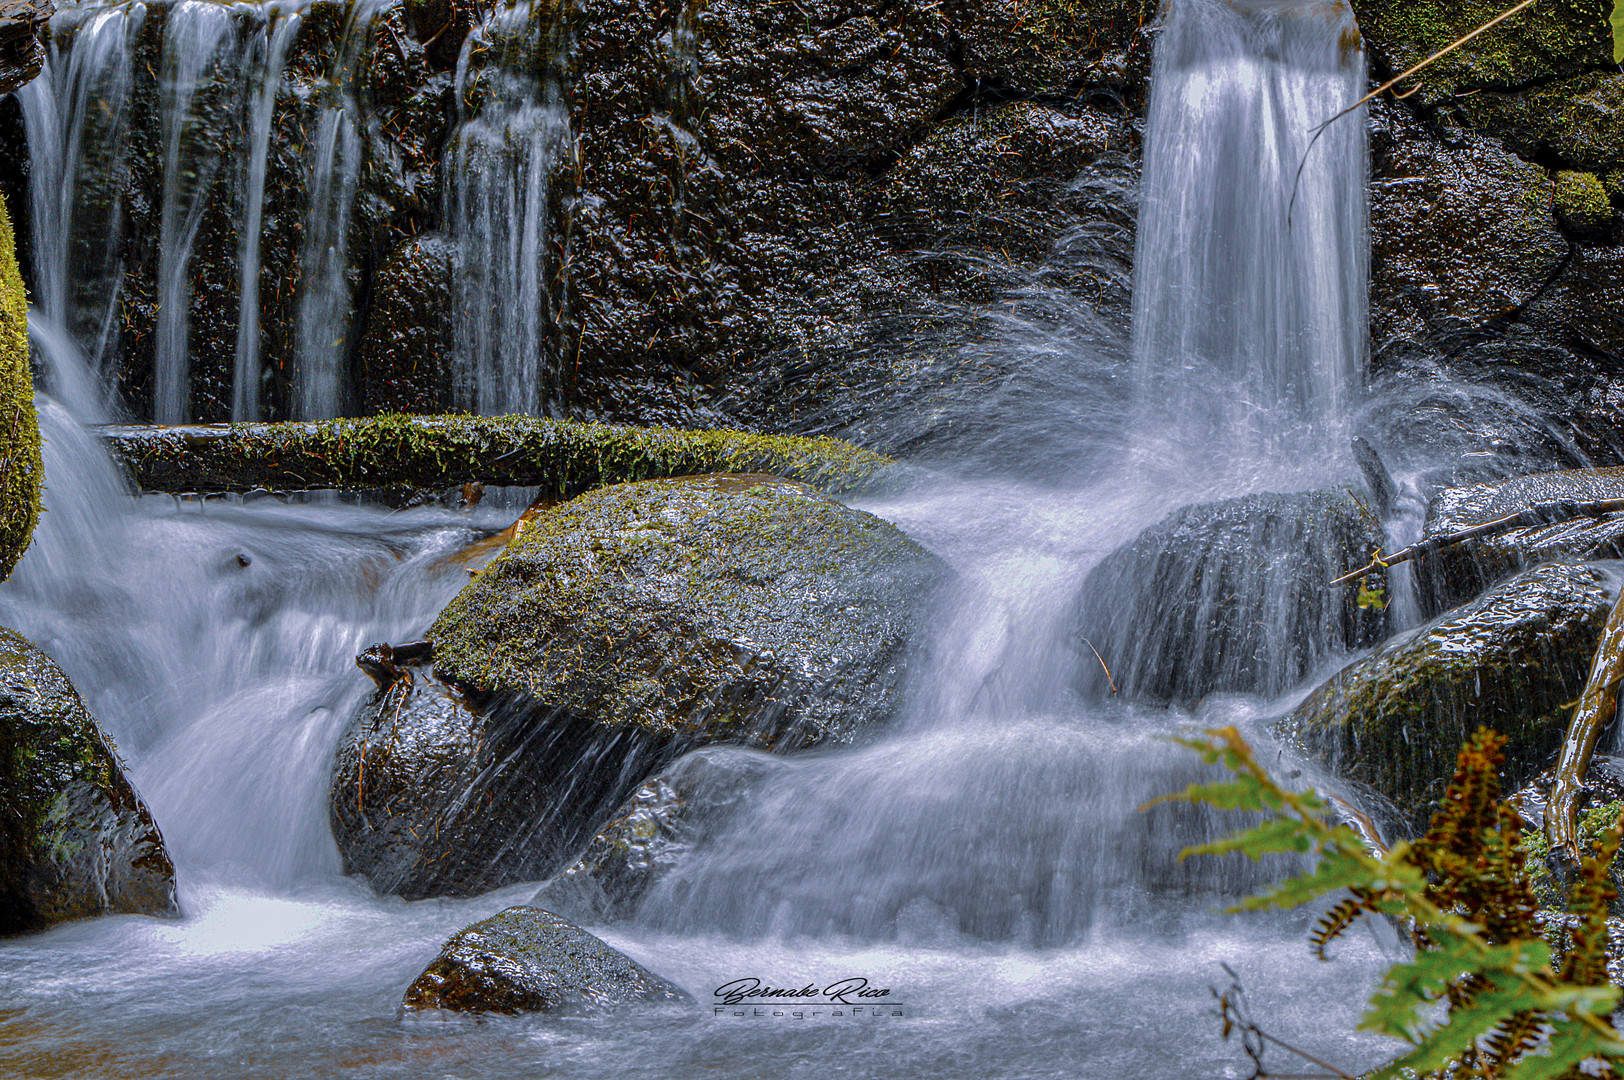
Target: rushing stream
985 859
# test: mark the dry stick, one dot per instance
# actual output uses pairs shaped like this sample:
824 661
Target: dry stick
1546 513
1108 676
1596 709
1388 85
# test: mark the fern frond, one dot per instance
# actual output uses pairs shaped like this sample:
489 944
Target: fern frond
1593 895
1334 922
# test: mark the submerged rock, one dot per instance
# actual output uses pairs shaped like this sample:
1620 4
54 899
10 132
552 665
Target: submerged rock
75 838
1458 573
1232 596
616 632
525 960
686 804
1516 659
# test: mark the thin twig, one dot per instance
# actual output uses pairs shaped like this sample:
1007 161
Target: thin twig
1388 85
1108 677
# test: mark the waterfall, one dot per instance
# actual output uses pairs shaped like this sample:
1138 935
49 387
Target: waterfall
263 79
335 173
498 193
1249 324
76 117
199 39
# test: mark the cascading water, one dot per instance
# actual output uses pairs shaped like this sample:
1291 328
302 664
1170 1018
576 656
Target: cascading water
75 113
200 43
1250 280
264 80
984 857
499 198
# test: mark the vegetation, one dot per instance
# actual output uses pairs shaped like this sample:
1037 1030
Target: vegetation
429 452
1484 996
21 471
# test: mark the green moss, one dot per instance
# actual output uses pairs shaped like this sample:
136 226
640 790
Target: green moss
1558 37
1582 200
1591 826
20 469
562 457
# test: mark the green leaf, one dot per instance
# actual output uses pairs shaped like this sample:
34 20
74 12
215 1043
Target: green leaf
1337 870
1487 1009
1409 989
1571 1043
1617 21
1243 794
1272 837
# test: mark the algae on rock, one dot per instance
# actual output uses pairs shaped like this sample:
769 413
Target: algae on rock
21 471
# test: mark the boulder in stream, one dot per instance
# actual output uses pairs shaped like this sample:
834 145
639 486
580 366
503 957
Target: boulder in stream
75 838
1456 574
618 631
1515 659
526 960
1232 596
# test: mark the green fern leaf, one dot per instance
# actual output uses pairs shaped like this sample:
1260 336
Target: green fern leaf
1488 1010
1617 21
1273 837
1244 793
1570 1044
1337 870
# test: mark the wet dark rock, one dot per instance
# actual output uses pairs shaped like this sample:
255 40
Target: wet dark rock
22 23
618 631
75 838
728 609
689 802
1231 596
405 355
1516 658
1456 574
525 960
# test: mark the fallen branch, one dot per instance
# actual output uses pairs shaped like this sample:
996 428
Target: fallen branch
438 452
1545 513
1596 710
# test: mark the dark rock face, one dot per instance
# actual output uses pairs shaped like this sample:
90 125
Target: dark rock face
619 630
729 609
75 838
21 54
435 794
1513 659
1456 574
526 960
690 801
1231 596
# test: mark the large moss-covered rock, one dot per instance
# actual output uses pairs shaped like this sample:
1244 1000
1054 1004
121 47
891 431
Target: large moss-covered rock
618 631
526 960
690 801
1233 595
746 609
1515 659
1458 573
21 471
75 838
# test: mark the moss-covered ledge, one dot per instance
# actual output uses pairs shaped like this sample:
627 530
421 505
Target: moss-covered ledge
20 469
434 452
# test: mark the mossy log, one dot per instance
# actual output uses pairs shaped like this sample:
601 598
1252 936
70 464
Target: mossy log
434 452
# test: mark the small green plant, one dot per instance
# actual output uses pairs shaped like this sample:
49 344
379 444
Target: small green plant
1482 997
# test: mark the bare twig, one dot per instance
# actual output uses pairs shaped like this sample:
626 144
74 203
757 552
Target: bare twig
1108 677
1389 84
1237 1017
1546 513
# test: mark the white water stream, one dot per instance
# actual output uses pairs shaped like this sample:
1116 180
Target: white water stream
985 859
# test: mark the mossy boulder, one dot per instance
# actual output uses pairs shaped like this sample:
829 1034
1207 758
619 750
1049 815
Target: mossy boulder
1582 203
21 471
1456 574
75 838
1232 596
743 609
618 631
1515 659
690 801
525 960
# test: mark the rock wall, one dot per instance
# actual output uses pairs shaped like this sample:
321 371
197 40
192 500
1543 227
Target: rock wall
794 217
